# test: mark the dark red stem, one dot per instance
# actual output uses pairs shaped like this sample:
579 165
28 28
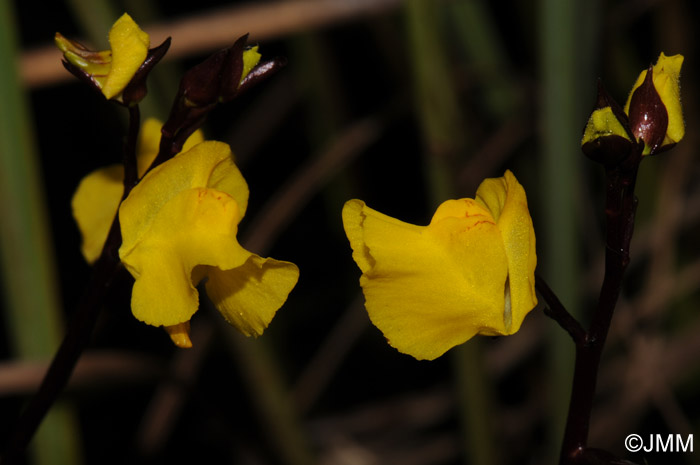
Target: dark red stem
620 209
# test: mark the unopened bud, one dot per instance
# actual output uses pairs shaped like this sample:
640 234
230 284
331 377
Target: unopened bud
606 138
109 71
654 105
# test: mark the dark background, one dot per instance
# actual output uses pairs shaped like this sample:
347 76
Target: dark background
363 93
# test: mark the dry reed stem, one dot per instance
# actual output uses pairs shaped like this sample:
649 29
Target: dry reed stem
160 418
219 28
320 369
95 368
306 182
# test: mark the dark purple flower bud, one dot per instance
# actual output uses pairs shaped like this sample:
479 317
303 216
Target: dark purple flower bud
648 115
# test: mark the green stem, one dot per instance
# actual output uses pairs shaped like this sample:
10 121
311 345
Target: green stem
559 172
484 48
475 403
436 102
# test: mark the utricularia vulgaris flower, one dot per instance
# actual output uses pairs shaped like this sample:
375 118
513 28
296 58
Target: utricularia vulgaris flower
179 226
470 271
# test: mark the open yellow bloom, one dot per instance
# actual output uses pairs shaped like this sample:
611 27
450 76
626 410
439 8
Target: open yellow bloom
470 271
111 70
666 75
96 200
179 226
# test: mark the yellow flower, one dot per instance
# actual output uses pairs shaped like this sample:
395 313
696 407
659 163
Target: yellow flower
110 70
470 271
179 226
96 200
666 75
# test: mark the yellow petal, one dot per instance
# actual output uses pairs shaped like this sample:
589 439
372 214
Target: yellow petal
94 205
666 75
430 288
354 213
505 198
603 122
129 50
473 247
668 86
249 296
225 175
96 200
251 57
148 143
195 227
208 164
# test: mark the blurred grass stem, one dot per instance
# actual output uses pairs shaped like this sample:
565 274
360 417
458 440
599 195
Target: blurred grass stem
558 242
443 131
28 270
104 272
488 59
